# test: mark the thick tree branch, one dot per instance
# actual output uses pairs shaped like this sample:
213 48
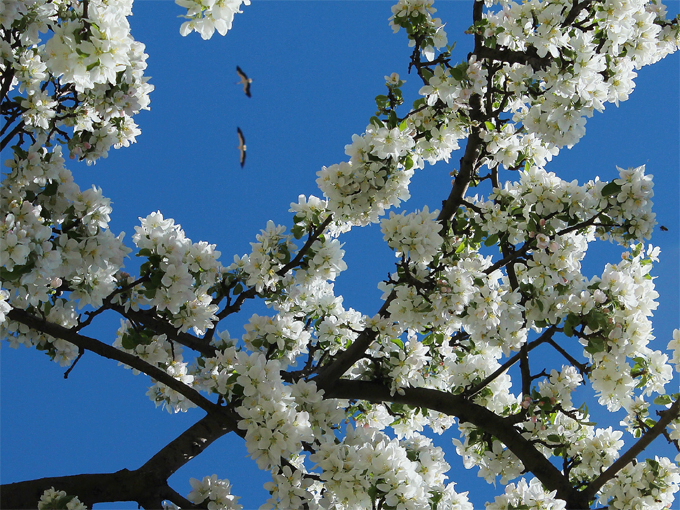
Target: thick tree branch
529 57
147 485
191 443
467 411
90 489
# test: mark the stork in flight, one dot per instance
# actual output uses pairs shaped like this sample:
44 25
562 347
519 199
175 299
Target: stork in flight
241 146
245 81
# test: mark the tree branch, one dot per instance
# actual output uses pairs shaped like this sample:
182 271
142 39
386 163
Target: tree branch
107 351
467 411
147 485
545 337
335 369
669 415
149 319
468 165
191 443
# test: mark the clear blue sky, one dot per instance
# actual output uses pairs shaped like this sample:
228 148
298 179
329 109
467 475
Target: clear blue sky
317 67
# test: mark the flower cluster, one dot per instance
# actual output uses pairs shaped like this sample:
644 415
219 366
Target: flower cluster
270 254
179 273
367 466
360 192
531 496
416 17
648 485
87 77
58 500
206 16
629 301
415 235
575 72
283 335
216 491
275 428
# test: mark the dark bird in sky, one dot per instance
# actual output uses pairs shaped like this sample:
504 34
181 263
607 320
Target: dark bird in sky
241 146
665 229
244 80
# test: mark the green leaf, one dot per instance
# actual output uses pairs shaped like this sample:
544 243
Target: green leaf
393 120
17 272
298 231
51 189
570 324
128 341
491 240
663 400
611 189
490 126
596 345
458 73
596 320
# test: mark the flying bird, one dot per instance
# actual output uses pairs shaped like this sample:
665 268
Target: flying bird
245 81
241 146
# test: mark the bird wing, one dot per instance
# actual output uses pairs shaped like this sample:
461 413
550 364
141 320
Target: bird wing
241 146
244 80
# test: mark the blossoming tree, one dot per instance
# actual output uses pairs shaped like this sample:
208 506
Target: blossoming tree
335 402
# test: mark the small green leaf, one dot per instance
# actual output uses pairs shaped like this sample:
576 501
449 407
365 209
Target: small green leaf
663 400
376 121
491 240
51 189
128 341
596 345
393 120
611 189
298 231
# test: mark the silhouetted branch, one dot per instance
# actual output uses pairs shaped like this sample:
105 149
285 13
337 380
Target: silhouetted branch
467 411
107 351
639 446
